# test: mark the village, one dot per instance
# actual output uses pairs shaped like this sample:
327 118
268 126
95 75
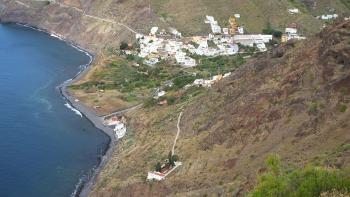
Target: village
161 45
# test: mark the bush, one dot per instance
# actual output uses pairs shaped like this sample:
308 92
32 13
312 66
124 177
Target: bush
182 81
150 102
306 182
313 108
123 45
130 57
343 108
271 31
171 100
158 167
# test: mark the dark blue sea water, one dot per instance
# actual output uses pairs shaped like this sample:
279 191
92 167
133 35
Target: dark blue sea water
45 148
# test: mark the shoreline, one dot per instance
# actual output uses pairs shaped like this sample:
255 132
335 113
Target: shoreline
83 186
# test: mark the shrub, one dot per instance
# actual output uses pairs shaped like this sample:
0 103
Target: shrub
123 45
130 57
343 108
313 108
150 102
271 31
171 100
305 182
158 167
175 158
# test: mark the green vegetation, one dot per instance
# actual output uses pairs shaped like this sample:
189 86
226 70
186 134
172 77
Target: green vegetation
181 81
158 167
313 108
150 102
171 100
137 81
126 78
302 7
270 30
210 66
305 182
172 159
123 45
343 108
346 3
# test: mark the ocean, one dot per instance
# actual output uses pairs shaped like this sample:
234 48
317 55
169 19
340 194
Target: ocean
46 148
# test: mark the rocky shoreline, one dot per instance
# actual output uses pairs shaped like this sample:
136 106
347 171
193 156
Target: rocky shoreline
97 121
85 186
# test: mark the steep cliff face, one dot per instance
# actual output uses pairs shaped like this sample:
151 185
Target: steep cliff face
292 102
81 21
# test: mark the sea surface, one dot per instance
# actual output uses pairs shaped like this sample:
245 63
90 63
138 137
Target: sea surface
45 147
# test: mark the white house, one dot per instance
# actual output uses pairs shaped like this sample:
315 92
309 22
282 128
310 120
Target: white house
215 28
240 30
154 30
120 130
291 30
155 176
225 31
227 75
176 33
250 40
209 19
189 62
261 47
159 93
152 61
329 16
293 11
184 60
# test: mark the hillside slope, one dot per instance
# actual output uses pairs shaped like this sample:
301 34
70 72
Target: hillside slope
69 17
292 102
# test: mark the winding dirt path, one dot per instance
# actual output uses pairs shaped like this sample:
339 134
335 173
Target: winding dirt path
85 15
177 134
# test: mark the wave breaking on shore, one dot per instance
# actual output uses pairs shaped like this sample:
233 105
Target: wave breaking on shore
73 109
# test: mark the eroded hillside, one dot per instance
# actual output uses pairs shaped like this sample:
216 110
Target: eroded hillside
292 102
72 18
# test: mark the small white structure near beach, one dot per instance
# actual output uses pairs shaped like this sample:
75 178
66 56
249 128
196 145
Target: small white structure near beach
120 130
119 125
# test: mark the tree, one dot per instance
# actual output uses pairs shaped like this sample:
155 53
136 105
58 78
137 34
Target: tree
170 159
175 158
123 45
158 167
171 100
